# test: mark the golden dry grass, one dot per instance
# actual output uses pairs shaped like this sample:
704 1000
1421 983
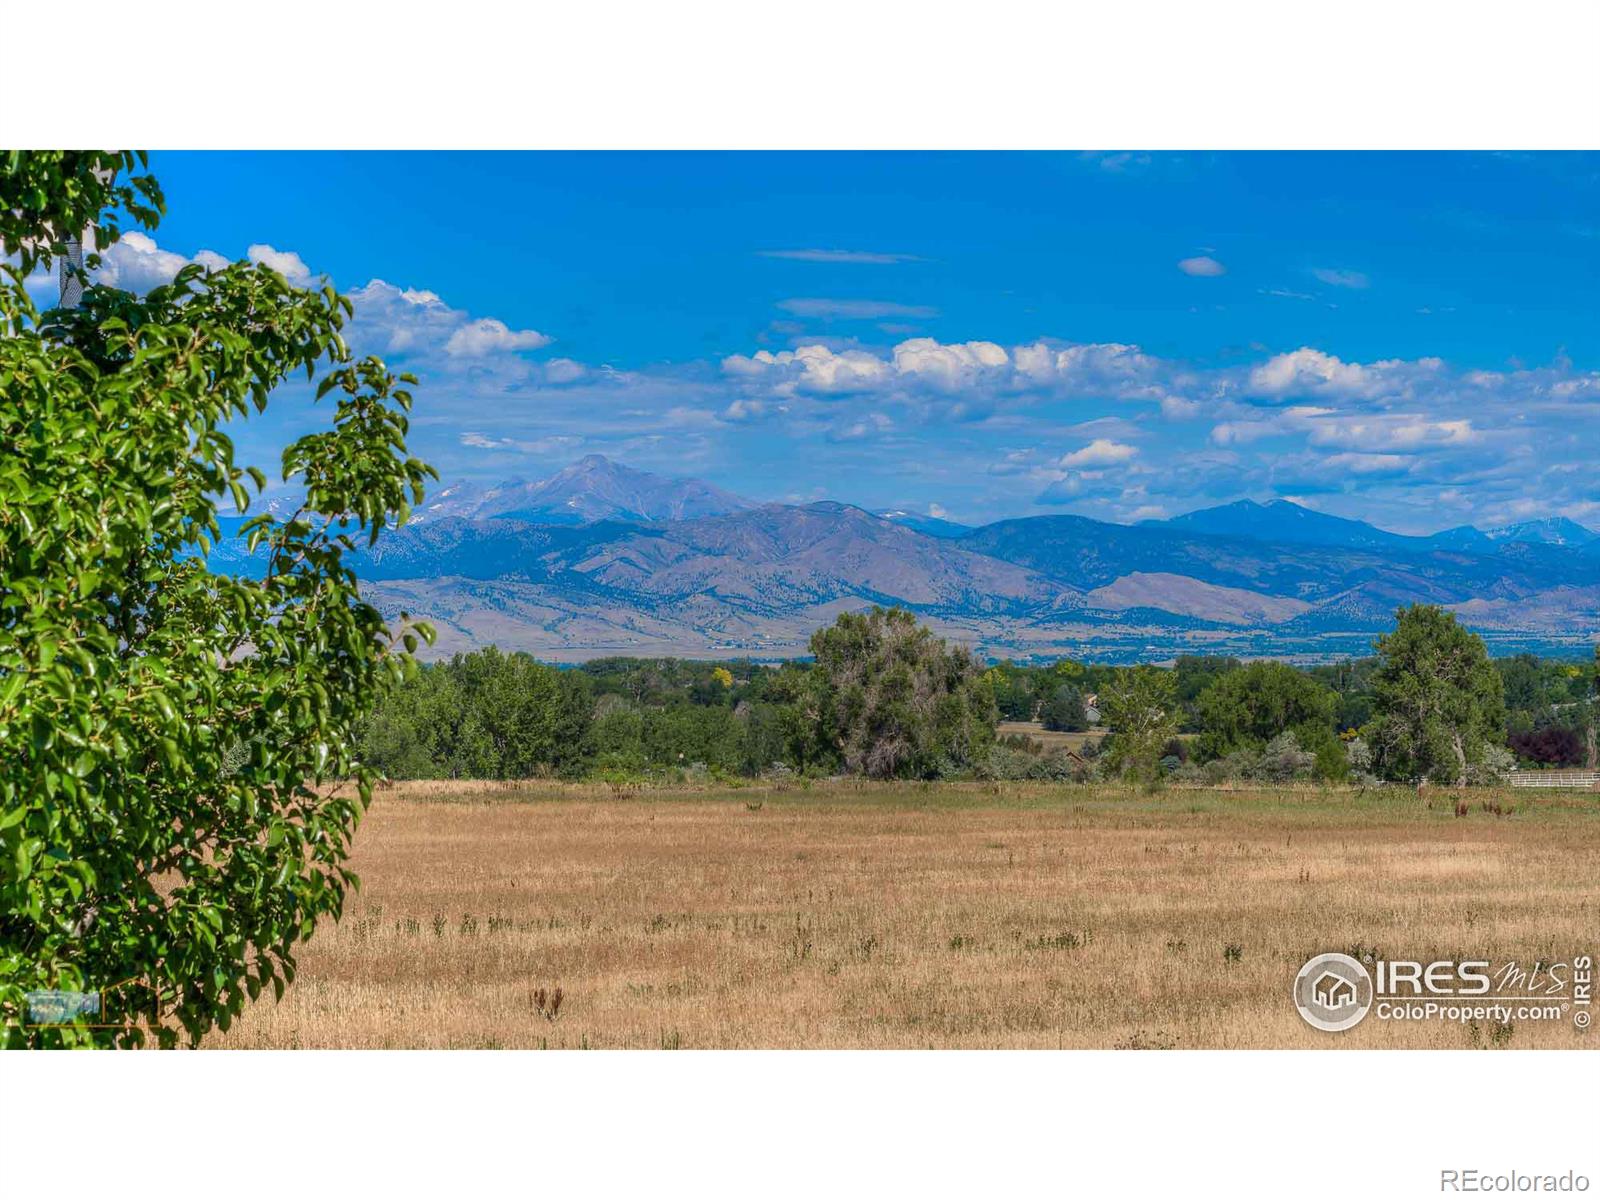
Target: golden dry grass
850 915
1050 739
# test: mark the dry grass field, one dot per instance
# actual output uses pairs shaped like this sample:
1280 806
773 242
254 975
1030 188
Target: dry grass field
1049 739
1052 739
856 915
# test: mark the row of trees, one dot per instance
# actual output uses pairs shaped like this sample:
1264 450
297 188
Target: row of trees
1546 700
883 697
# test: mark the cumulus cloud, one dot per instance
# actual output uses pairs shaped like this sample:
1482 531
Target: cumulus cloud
285 262
948 366
1111 367
813 369
1202 265
135 263
402 319
486 335
970 377
1099 453
1308 372
415 321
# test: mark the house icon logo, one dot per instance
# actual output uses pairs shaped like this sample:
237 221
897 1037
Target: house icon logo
1333 992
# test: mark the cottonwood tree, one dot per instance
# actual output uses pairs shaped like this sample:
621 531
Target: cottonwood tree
894 701
1064 711
1140 707
1247 708
170 738
1437 700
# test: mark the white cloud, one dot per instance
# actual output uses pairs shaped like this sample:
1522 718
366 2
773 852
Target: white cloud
402 319
285 262
1111 368
853 310
979 374
135 263
1117 161
1306 369
1099 453
947 366
1390 431
564 370
1341 279
556 444
868 426
415 321
813 369
1309 371
840 256
486 335
1372 433
1352 463
1202 265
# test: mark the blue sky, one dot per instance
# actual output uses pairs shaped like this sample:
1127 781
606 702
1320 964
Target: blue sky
1407 339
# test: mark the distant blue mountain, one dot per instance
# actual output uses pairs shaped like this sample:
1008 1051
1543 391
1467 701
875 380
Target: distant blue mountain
1464 537
1553 531
932 526
592 489
1285 521
604 559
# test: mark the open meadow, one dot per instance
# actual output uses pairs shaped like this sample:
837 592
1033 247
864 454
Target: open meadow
905 915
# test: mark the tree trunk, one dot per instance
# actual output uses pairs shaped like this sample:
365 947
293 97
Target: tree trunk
1461 759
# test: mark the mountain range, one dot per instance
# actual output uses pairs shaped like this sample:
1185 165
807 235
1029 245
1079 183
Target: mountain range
604 559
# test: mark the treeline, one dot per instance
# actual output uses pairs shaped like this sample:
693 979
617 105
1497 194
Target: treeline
883 697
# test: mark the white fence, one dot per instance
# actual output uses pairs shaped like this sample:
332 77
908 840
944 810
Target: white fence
1559 778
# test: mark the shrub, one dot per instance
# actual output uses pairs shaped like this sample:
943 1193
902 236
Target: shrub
892 700
1284 760
1553 746
1497 763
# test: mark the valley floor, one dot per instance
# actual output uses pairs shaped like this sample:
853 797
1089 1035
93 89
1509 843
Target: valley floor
860 915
